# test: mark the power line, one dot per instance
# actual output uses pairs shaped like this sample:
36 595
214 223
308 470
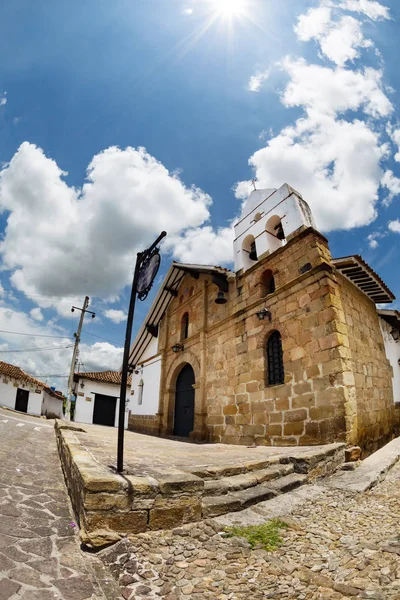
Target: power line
100 337
36 349
60 337
50 375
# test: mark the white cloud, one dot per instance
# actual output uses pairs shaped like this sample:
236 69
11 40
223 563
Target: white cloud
339 39
314 23
373 238
88 238
394 226
187 11
334 164
392 183
3 98
372 9
324 91
395 136
116 316
102 356
256 81
203 245
36 314
343 40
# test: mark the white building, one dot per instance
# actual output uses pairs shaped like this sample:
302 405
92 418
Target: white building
24 393
390 326
97 398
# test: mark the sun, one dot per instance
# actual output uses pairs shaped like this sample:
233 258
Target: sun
230 8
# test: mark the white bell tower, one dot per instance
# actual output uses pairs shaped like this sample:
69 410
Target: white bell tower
268 218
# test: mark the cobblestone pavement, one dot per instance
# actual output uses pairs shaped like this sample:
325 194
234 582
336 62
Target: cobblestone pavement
339 545
40 557
150 455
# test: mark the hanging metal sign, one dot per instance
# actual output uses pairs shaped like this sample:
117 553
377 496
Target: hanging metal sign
147 274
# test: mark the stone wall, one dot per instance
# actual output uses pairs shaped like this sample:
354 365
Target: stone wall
144 424
370 412
227 349
337 384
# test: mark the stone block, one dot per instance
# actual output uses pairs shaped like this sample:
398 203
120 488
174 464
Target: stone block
252 430
230 409
282 404
132 521
331 396
302 388
352 454
253 386
290 416
322 412
295 428
167 514
273 430
260 418
102 501
303 401
275 417
142 486
98 479
244 408
179 483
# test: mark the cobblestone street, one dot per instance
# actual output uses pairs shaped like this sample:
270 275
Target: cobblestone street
40 557
337 545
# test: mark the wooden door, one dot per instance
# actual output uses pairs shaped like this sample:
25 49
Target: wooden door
184 402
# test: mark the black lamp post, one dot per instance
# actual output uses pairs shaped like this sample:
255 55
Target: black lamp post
147 265
177 348
263 314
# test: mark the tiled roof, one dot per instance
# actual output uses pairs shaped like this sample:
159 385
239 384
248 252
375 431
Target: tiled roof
166 293
105 376
17 373
360 273
53 393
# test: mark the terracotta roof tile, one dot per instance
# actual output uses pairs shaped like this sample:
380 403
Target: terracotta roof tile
17 373
105 376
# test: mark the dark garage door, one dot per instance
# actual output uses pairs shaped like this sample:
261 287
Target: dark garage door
104 410
21 402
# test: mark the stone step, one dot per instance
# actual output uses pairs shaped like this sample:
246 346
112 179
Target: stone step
213 506
217 487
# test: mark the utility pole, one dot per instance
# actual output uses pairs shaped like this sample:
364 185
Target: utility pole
75 354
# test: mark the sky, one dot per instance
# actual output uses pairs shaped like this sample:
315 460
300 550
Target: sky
122 119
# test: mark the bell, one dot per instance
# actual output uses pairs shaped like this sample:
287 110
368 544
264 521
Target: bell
253 252
280 234
220 299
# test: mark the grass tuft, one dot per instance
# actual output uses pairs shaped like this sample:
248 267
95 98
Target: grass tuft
267 535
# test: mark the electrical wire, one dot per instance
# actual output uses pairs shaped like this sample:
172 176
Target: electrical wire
99 337
60 337
36 349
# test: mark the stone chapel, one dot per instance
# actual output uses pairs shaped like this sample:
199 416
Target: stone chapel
287 349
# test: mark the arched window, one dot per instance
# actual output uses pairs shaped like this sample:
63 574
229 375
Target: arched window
276 373
140 392
275 234
267 283
249 252
185 326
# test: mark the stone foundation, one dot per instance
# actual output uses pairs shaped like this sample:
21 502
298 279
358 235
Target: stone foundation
144 424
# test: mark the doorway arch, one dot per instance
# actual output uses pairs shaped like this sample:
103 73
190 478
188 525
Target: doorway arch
184 402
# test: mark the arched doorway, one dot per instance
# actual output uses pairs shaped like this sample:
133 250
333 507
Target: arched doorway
184 402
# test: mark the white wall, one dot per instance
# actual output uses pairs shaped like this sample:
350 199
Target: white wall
8 394
284 204
150 373
52 406
84 406
392 349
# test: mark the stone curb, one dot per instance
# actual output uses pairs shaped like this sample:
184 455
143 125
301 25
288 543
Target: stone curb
372 470
108 505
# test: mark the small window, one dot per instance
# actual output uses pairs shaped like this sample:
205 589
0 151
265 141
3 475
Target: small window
276 373
185 326
267 282
140 392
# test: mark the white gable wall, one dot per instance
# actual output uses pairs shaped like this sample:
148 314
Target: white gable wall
8 394
85 399
149 372
392 349
52 407
283 204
